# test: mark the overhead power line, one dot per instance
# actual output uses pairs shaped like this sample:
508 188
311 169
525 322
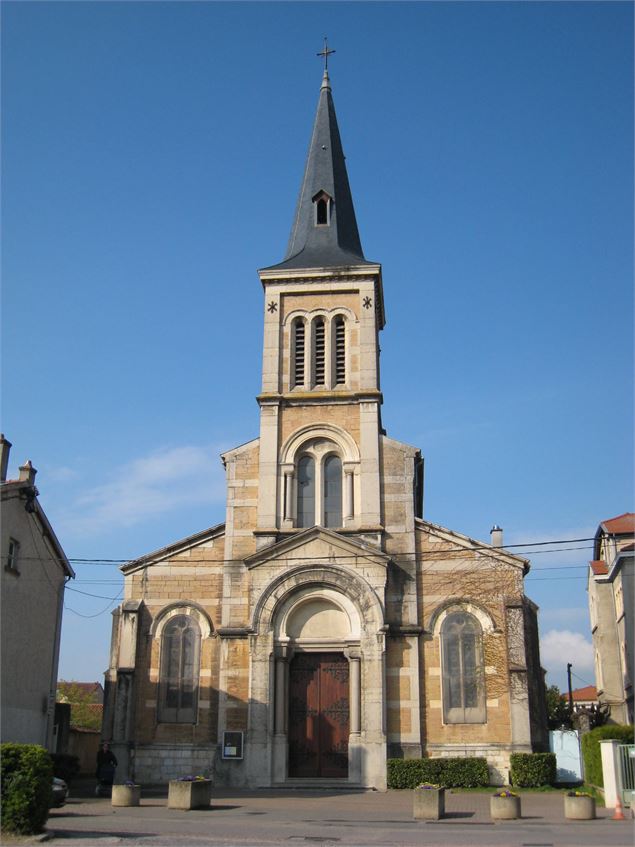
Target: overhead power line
396 556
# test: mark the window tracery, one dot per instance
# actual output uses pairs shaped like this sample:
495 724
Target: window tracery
463 680
179 670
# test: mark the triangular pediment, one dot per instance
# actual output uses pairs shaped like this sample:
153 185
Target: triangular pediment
320 545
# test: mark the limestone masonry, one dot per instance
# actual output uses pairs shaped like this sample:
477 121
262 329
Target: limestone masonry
325 626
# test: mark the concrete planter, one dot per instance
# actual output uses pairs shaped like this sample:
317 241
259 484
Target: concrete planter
428 804
579 808
504 808
126 795
189 795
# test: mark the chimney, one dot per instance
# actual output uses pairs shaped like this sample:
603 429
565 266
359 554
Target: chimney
27 472
496 535
5 449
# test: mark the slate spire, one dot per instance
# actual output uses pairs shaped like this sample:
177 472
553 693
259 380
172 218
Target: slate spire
324 231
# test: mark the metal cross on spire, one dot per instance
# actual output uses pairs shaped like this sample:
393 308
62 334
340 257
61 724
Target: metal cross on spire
326 53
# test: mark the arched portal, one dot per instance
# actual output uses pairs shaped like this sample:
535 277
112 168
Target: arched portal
317 676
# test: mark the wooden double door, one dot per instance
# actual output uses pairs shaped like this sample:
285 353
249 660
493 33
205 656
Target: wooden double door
318 715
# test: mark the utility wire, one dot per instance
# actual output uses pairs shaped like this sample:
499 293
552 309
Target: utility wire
396 557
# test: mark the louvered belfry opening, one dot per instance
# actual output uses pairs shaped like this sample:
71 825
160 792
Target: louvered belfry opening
340 351
319 357
298 352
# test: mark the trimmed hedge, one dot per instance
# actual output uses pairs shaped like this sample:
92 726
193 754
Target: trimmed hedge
26 773
65 766
591 749
451 773
532 770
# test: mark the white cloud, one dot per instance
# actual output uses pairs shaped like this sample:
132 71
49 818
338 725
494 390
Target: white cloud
161 482
560 646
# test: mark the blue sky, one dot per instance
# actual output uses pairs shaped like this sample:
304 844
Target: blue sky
151 155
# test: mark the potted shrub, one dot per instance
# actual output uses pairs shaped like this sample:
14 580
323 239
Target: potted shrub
579 806
189 792
428 802
504 805
127 794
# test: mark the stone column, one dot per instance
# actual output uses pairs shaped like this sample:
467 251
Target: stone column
354 664
280 717
349 509
281 692
288 495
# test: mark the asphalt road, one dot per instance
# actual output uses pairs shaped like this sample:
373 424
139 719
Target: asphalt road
314 818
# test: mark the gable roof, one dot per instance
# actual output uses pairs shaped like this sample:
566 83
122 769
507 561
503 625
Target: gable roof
172 549
621 525
599 567
471 544
19 486
582 695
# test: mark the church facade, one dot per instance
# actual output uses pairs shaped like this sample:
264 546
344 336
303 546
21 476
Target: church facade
325 626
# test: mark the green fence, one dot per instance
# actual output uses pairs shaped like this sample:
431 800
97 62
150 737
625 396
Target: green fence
626 759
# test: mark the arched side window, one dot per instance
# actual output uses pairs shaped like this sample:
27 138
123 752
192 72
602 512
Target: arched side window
297 351
306 492
180 667
462 669
339 345
319 351
332 490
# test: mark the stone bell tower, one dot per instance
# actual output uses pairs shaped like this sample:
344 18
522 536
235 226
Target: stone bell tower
323 313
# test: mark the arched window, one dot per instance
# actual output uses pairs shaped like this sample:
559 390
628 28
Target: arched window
319 358
339 350
332 490
180 661
297 352
306 492
462 669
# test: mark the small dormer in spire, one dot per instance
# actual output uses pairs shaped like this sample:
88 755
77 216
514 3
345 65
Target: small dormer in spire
324 231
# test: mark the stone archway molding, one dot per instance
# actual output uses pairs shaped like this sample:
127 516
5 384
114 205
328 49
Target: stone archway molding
329 432
298 579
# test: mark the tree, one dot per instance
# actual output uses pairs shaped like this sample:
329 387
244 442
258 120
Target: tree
558 711
86 710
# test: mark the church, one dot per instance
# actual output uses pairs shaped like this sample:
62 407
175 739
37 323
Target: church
325 626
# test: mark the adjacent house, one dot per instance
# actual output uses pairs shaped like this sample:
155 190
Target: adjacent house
34 573
583 698
325 626
611 587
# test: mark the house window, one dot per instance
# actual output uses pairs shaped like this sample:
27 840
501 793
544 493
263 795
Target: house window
340 351
13 555
306 491
298 352
319 358
180 660
462 669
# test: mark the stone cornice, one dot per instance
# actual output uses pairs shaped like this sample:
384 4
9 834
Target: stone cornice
310 275
234 631
320 398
